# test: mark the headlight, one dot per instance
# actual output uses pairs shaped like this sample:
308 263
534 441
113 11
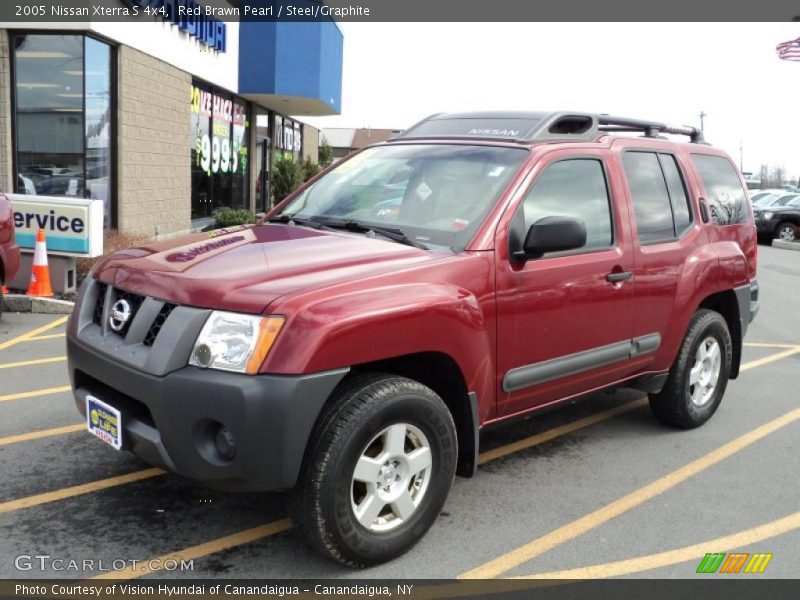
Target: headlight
768 215
235 342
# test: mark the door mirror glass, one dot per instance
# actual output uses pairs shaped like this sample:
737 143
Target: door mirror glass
554 234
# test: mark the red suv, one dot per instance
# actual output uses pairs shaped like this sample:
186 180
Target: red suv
478 267
9 251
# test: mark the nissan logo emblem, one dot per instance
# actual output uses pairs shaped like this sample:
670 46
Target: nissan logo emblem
120 314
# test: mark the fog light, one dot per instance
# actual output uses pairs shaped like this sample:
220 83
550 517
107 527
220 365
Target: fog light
226 445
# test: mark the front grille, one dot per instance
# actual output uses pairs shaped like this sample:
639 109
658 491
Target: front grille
158 323
99 305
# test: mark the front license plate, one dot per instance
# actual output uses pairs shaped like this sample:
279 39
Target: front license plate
104 421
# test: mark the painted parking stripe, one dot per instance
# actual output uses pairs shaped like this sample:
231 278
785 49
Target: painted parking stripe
565 533
672 557
217 545
43 433
51 336
35 393
771 358
79 490
272 528
551 434
36 361
33 333
276 527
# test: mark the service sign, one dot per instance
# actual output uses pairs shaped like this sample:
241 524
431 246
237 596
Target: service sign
73 226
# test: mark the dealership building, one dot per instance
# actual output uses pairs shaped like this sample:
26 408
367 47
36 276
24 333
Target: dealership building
166 118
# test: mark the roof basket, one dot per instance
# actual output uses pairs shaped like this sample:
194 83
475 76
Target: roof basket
535 127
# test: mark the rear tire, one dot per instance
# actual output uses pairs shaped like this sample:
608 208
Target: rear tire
699 376
378 470
1 299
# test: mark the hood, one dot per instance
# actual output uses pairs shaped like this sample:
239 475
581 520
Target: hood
245 269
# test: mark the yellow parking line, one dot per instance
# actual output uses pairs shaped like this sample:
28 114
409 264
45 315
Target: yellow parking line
43 433
567 532
768 345
35 393
79 490
34 332
275 527
771 358
673 557
551 434
30 363
201 550
51 336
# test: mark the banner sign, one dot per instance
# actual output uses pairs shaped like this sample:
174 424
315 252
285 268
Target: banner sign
73 226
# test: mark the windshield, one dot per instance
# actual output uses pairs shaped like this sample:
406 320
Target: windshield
784 200
766 200
434 194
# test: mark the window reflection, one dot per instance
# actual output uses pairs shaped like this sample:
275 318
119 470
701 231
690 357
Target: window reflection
63 116
98 123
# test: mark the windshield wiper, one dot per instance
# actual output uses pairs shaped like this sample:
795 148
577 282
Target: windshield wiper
392 233
287 219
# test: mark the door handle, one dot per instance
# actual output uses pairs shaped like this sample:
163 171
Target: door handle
618 276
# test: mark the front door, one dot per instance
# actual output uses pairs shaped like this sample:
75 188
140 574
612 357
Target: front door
565 319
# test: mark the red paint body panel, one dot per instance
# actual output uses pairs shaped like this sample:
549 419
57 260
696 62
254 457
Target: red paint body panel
9 251
350 300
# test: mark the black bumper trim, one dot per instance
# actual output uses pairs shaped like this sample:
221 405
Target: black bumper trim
168 421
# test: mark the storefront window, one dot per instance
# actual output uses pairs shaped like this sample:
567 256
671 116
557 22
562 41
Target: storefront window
220 134
288 139
63 112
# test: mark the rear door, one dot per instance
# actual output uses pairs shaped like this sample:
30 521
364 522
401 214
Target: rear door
667 234
564 325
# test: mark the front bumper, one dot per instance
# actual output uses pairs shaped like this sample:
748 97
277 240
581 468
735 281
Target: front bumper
10 257
765 227
171 421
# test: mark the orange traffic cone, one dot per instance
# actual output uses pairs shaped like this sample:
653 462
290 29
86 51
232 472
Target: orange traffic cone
40 273
5 291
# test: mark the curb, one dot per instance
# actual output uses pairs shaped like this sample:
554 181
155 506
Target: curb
32 304
786 245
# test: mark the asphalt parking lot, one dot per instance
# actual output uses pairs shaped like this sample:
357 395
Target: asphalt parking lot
594 489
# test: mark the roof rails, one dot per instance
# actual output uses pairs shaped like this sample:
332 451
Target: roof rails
536 126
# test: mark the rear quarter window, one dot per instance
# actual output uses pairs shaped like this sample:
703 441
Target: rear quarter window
725 195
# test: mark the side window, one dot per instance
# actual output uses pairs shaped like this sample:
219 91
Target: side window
677 193
724 192
650 197
573 188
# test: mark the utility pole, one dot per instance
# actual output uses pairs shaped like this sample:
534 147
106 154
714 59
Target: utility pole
702 120
741 155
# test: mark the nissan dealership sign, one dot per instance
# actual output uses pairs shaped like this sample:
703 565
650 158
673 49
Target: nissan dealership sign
189 16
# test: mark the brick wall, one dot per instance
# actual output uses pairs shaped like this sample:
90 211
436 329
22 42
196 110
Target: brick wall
310 143
6 177
153 153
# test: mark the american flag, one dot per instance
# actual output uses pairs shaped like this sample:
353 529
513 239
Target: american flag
789 50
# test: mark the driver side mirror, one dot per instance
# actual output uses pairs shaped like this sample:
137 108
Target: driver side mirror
553 234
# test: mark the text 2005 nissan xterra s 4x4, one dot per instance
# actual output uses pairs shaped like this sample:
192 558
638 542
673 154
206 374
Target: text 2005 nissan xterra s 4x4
477 267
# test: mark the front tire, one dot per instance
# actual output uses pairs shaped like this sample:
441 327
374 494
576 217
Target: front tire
786 231
699 376
380 466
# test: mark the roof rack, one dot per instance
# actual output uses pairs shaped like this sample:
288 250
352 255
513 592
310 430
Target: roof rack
652 129
536 126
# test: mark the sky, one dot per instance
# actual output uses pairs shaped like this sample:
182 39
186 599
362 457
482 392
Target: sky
398 73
